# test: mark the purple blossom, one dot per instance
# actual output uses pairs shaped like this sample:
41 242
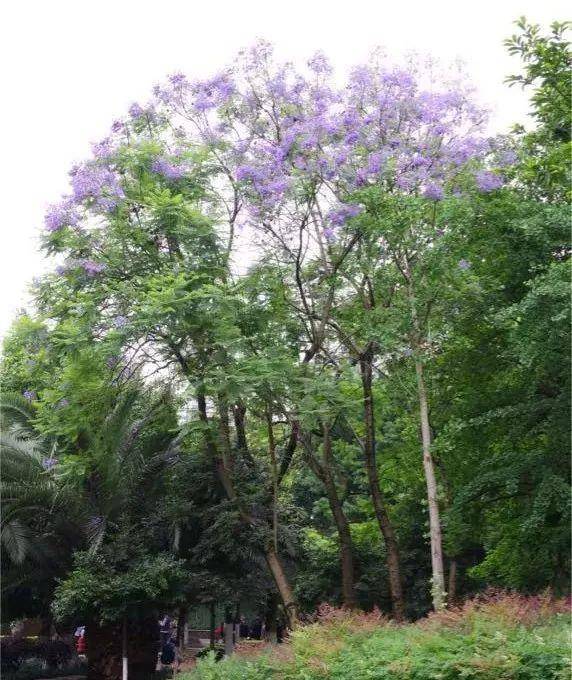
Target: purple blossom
64 214
464 264
178 79
30 395
62 403
117 126
100 184
169 170
488 181
103 149
49 463
433 191
90 267
329 234
136 110
120 321
344 212
319 64
375 163
247 172
211 93
507 158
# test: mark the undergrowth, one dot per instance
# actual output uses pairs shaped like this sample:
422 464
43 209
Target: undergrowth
494 637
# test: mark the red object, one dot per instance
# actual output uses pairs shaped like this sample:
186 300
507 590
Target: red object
81 646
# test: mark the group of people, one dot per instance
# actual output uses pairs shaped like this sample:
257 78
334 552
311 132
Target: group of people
254 631
169 653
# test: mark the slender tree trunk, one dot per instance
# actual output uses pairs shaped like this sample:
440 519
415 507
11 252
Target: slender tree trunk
452 591
270 621
346 546
181 624
125 664
221 461
437 566
438 585
274 469
393 562
324 473
283 585
212 612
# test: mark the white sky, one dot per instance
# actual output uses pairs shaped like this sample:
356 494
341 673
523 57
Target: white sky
71 66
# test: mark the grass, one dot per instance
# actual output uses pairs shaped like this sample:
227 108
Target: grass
494 637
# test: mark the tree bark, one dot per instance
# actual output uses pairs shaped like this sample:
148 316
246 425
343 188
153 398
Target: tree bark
438 570
452 591
324 473
283 586
225 477
274 470
393 562
212 626
437 566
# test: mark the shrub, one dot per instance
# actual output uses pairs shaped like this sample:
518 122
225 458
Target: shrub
18 653
497 636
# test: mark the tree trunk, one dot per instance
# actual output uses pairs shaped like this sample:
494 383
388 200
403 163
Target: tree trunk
274 470
225 477
393 563
212 626
452 592
124 657
346 546
438 585
270 622
283 586
324 473
181 625
105 649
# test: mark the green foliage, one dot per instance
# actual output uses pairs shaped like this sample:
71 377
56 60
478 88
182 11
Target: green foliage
503 639
96 590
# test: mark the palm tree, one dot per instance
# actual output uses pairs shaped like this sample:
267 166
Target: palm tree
123 461
28 491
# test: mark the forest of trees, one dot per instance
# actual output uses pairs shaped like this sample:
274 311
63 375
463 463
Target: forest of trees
302 342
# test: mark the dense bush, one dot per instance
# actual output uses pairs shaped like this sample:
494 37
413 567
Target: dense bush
17 652
497 637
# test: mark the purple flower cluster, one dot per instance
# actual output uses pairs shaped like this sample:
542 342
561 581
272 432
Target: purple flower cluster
339 216
168 169
49 463
98 184
464 265
89 267
488 181
433 191
30 395
136 111
280 135
212 93
104 149
60 215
